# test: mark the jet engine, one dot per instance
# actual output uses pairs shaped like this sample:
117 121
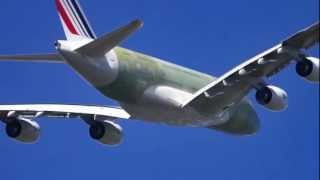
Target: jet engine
23 130
309 69
272 97
106 132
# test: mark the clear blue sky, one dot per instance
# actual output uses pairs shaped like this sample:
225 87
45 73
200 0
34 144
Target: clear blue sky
210 36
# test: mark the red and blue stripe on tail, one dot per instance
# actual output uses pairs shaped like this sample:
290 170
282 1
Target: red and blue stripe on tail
74 21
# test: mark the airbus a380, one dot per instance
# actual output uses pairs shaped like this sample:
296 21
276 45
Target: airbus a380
154 90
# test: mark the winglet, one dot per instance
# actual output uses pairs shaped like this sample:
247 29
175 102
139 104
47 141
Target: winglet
107 42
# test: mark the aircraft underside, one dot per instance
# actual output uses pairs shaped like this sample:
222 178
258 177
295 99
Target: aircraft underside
154 90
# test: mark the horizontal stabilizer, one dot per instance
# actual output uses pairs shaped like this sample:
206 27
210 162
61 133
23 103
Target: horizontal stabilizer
107 42
32 57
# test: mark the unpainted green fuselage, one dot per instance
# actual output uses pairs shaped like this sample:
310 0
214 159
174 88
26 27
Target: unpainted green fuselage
138 72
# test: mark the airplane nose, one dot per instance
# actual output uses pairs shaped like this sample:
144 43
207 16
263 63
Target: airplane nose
252 125
244 121
247 118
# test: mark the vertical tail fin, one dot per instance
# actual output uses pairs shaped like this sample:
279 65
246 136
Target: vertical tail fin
74 21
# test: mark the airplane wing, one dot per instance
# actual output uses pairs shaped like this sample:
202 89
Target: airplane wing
62 111
56 58
231 87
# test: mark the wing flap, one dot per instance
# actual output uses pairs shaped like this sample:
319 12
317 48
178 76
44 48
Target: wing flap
63 110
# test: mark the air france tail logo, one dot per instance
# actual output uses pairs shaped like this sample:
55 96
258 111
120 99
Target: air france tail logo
73 18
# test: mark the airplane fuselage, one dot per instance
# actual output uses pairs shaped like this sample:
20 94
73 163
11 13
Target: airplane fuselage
151 89
154 90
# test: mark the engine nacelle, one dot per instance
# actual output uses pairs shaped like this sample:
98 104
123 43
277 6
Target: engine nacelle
309 69
106 132
273 98
23 130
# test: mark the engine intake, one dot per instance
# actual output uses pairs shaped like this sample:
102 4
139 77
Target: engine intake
106 132
23 130
272 97
309 69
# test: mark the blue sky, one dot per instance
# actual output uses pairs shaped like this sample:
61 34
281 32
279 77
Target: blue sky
210 36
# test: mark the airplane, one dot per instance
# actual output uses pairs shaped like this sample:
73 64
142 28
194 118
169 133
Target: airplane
154 90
